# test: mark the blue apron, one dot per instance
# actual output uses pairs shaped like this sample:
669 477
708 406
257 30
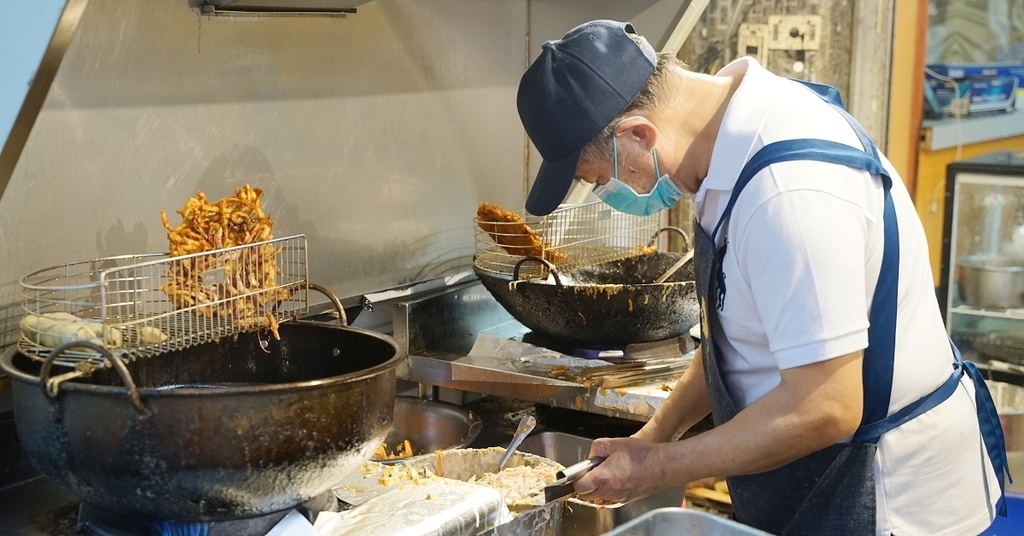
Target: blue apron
831 491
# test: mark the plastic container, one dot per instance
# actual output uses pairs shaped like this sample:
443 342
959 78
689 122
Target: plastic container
1013 523
678 521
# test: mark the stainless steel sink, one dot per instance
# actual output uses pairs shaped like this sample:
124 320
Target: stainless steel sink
581 518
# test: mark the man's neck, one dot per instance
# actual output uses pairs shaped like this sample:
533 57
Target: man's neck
698 107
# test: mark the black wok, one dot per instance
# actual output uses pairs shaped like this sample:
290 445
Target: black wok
227 430
610 304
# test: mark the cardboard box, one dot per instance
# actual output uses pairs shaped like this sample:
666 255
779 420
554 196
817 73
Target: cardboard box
960 71
972 89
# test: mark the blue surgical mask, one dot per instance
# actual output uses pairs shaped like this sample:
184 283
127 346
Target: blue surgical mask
621 197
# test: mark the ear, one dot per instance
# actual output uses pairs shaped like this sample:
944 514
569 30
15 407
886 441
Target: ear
638 130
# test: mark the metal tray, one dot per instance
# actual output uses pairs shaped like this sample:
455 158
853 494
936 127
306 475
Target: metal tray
679 521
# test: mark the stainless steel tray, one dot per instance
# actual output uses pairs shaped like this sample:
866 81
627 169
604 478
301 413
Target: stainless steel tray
681 521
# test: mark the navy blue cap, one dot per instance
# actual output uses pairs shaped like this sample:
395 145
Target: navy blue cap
574 89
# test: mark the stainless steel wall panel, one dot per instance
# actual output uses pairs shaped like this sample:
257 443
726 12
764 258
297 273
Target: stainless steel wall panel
376 134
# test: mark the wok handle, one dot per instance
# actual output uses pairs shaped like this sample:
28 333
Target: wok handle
550 267
342 318
51 386
682 233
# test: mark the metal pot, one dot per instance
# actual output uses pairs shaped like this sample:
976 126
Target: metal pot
227 430
430 426
608 304
991 281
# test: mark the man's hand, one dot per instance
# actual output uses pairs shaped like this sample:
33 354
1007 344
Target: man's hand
632 469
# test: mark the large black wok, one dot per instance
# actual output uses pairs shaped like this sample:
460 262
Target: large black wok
609 304
227 430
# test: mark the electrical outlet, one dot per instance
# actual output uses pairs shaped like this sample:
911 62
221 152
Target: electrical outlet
793 32
752 40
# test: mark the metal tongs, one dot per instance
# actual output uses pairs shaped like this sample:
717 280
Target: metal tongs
567 479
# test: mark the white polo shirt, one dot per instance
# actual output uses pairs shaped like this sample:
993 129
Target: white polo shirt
804 251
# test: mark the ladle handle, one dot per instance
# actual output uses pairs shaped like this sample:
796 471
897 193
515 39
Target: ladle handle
674 268
526 425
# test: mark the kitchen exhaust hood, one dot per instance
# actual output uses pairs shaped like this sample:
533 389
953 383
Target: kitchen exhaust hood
282 7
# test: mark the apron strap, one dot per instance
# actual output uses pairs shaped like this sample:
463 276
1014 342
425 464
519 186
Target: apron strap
988 419
991 428
871 432
880 354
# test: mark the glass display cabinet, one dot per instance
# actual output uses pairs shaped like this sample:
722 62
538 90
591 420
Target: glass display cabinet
982 274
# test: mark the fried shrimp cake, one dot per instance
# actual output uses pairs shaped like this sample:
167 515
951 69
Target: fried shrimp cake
509 231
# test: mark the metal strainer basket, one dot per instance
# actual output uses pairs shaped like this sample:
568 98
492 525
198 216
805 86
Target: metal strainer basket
570 237
143 305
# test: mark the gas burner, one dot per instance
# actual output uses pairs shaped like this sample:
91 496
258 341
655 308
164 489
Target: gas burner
562 347
642 351
101 522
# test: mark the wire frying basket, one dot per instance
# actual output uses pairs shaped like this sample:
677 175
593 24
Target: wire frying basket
570 237
143 305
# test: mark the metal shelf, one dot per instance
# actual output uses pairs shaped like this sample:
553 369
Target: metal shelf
1016 314
951 132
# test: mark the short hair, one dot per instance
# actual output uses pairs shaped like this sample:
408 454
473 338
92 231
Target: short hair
650 97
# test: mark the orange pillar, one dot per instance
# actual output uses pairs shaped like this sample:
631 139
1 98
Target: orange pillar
910 32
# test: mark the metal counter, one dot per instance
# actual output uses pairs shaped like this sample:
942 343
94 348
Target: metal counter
439 329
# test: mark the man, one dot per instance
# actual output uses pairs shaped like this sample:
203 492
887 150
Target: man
840 405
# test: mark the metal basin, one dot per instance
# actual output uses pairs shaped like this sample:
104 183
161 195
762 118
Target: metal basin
583 518
991 281
429 426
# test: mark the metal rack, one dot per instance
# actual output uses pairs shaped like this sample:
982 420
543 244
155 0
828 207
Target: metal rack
142 305
570 237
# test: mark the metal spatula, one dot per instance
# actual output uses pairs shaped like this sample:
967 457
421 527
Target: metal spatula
674 268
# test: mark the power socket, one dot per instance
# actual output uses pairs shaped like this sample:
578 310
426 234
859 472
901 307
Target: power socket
794 32
752 40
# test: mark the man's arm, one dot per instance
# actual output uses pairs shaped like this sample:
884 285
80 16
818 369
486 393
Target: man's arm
813 407
687 404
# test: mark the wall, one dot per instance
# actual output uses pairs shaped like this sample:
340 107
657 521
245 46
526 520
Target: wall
374 134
